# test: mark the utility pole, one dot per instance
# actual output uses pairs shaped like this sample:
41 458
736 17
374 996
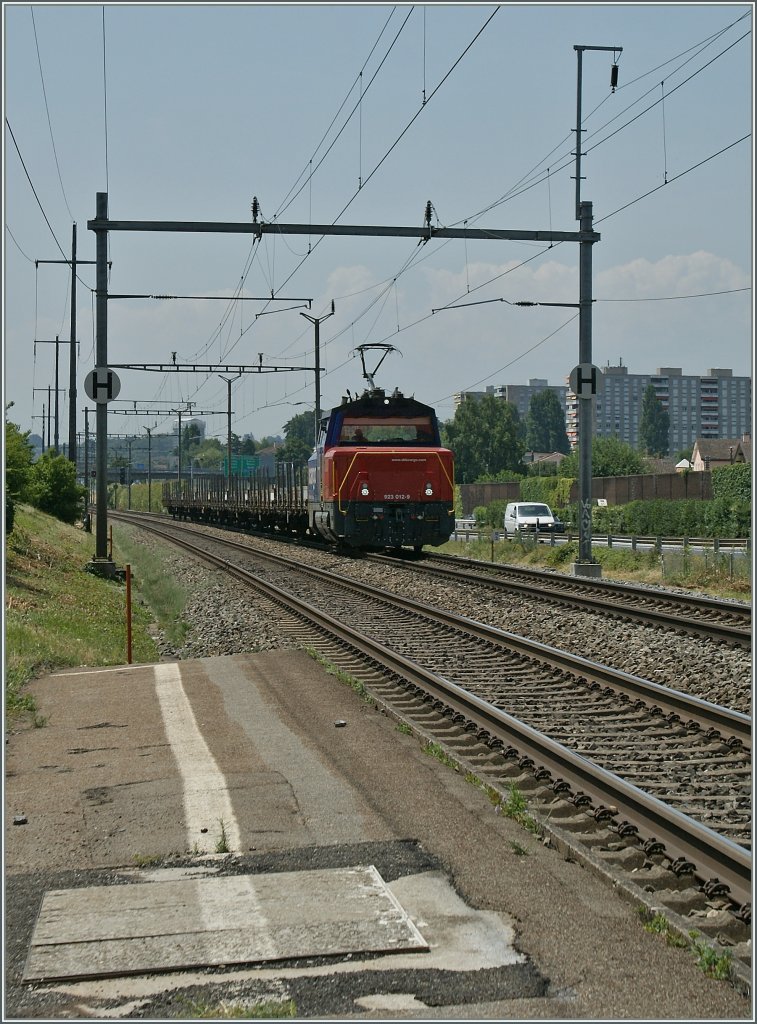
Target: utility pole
47 416
73 263
72 363
192 412
613 83
586 566
57 350
101 562
57 343
206 368
149 467
87 481
128 478
178 467
317 321
229 381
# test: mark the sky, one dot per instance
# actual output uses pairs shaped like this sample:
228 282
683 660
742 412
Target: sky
361 114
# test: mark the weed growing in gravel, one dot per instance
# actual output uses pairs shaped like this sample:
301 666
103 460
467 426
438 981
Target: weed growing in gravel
338 674
405 729
272 1010
715 965
222 846
146 860
659 925
516 807
518 850
436 750
155 583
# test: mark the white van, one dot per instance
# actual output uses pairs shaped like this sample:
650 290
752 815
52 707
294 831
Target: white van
531 517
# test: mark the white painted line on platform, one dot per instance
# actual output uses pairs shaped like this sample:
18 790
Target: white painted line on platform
102 671
206 796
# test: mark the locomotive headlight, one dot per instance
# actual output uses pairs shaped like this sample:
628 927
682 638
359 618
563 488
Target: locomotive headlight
429 490
364 490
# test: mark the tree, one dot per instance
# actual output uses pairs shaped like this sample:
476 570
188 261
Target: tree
295 450
545 424
18 459
299 439
301 426
654 426
53 487
609 457
210 454
18 468
484 435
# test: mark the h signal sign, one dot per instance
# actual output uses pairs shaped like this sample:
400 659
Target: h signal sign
584 380
102 385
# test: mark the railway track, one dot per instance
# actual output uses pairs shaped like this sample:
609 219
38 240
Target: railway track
724 621
646 771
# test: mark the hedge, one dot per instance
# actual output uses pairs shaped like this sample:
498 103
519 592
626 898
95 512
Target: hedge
734 482
720 517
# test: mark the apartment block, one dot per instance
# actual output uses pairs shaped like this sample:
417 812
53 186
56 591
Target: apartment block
519 394
714 405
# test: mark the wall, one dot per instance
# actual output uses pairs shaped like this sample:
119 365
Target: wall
484 494
620 490
617 490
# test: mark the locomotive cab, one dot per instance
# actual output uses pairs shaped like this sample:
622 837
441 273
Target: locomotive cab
379 476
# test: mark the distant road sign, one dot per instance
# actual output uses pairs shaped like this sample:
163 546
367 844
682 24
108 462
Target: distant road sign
242 465
102 385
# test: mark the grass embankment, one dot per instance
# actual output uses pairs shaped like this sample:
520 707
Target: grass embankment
724 577
59 616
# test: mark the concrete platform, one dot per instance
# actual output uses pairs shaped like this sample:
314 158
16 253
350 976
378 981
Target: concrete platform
143 776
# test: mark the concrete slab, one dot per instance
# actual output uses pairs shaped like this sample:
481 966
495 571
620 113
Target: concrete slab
202 922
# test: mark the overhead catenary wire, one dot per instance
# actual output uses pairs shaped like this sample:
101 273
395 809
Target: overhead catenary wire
676 177
47 110
287 201
527 182
393 280
13 239
399 138
31 183
311 170
542 252
388 152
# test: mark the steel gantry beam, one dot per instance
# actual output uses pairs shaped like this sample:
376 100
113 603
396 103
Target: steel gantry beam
102 225
375 230
208 368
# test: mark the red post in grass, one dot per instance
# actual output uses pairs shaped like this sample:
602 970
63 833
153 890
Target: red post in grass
128 615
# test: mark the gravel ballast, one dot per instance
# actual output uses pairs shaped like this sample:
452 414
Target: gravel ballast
226 618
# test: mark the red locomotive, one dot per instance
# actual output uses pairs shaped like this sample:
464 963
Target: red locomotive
379 476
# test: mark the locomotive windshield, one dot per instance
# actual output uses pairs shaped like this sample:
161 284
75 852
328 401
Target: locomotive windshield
411 430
